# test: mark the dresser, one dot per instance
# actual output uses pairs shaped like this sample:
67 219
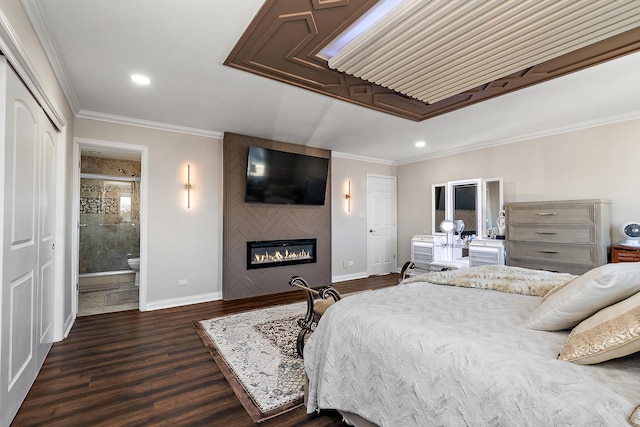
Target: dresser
565 236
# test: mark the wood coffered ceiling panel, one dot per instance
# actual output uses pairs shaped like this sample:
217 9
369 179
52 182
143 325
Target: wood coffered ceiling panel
284 39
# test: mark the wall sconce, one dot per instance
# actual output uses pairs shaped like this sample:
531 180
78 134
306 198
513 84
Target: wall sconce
348 196
187 186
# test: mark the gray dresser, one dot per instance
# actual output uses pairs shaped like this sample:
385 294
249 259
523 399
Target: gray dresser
566 236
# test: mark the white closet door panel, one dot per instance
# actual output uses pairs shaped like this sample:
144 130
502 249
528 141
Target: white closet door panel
46 279
27 279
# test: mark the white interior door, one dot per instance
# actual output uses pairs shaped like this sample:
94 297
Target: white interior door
28 208
381 225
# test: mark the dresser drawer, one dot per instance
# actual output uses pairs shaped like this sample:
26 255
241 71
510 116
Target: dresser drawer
577 234
579 254
551 214
576 269
483 258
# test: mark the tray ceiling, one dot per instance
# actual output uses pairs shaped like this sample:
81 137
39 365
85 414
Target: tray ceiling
466 52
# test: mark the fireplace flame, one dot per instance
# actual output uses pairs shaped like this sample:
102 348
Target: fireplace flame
277 256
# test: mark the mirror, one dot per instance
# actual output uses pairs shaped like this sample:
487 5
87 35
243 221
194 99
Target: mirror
438 203
477 202
466 201
492 190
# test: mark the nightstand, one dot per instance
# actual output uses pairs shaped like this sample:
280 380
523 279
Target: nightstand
624 254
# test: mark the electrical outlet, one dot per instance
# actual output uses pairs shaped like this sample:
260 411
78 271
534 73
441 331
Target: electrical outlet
183 282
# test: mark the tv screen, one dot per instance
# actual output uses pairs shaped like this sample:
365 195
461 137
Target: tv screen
285 178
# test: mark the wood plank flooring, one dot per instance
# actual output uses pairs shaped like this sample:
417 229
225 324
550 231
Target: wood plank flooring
146 369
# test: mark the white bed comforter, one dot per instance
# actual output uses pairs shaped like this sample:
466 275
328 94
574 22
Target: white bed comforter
421 354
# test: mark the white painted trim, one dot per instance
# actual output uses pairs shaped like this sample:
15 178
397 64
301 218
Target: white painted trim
59 323
350 276
121 120
602 121
178 302
144 175
15 52
69 324
348 156
35 14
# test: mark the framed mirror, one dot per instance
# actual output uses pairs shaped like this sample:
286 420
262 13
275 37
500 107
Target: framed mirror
438 203
466 205
477 202
493 202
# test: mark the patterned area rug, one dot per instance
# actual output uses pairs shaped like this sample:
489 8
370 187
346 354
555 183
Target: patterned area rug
256 351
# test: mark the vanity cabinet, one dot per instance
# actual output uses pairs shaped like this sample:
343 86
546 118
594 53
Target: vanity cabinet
486 252
565 236
426 249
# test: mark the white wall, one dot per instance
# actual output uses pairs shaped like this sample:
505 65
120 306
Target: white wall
599 162
181 243
349 230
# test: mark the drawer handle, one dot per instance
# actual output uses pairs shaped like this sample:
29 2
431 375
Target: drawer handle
546 232
548 252
547 213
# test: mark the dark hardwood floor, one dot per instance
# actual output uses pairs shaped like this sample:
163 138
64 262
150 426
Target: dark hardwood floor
143 369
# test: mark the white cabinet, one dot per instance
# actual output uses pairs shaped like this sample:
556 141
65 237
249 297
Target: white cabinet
486 252
426 248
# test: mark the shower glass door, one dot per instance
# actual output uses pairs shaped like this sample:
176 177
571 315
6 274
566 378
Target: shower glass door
109 228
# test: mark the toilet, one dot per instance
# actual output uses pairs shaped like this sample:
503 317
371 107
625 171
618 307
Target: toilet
134 264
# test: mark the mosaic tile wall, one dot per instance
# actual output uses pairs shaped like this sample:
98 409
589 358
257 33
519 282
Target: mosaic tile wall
109 216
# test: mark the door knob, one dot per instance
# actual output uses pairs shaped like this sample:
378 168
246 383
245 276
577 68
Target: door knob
371 230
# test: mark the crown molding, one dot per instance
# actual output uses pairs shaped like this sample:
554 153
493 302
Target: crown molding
348 156
36 17
634 115
13 49
121 120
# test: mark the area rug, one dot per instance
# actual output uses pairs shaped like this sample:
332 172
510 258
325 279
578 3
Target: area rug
256 352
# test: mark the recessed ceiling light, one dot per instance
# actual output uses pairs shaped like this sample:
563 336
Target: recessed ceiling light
420 144
140 79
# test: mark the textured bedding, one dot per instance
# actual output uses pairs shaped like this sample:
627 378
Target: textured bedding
424 354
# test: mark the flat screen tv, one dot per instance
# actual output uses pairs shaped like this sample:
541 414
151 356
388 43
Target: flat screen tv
280 177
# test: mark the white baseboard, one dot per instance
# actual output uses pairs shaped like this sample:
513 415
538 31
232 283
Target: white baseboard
352 276
177 302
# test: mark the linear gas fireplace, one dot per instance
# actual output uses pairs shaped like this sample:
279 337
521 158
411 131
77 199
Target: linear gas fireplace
274 253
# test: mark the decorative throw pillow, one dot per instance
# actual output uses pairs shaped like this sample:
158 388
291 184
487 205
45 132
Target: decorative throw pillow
610 333
585 295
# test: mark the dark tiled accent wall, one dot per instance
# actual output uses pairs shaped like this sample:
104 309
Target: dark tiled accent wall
245 222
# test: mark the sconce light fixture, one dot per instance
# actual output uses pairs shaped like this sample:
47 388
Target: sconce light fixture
348 196
187 186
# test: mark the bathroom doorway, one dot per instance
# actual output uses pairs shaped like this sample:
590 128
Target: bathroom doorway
109 230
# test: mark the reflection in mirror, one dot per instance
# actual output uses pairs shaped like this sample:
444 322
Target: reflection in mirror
465 202
438 201
477 202
492 206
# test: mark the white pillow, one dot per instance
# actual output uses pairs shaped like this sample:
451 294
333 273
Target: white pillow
585 295
610 333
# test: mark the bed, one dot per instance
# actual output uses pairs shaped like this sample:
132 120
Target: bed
480 347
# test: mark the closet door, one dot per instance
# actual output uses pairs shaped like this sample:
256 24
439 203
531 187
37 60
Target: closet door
27 277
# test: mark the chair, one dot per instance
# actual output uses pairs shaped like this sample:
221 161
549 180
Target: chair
315 308
405 270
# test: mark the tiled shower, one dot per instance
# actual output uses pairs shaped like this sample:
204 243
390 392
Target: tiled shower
109 214
109 234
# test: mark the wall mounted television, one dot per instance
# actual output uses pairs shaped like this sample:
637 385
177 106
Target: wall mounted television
281 177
